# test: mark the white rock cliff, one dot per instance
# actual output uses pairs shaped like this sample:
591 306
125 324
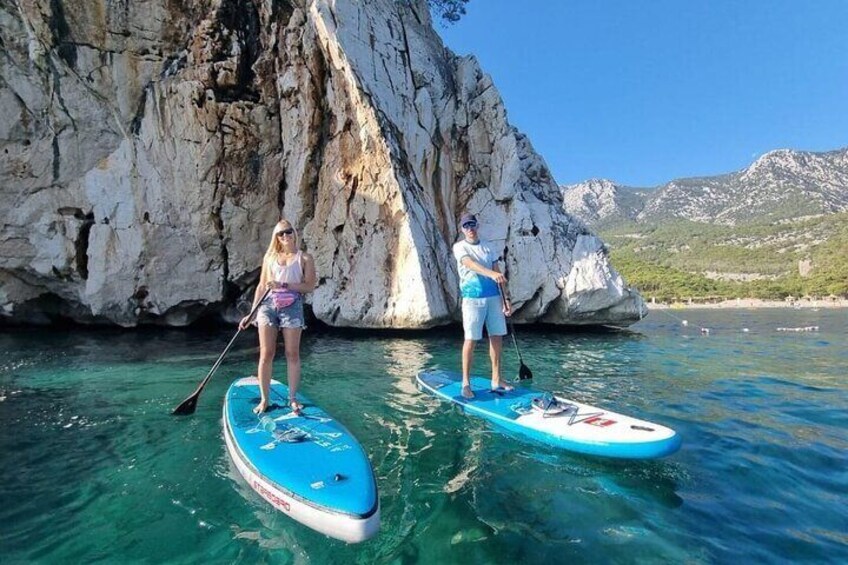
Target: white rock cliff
149 147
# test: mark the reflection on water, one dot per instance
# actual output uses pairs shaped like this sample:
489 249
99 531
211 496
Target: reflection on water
95 466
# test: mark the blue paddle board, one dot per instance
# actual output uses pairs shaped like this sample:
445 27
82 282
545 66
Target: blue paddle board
308 466
553 420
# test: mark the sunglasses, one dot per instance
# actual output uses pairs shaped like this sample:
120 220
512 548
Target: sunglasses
288 231
469 225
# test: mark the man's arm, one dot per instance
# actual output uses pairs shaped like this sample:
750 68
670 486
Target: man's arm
507 304
493 274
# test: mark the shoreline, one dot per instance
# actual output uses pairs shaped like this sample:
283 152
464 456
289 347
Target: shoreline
750 304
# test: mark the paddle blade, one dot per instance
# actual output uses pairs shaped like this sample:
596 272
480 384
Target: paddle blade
524 372
187 407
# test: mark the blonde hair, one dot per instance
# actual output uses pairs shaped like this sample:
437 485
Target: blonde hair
275 247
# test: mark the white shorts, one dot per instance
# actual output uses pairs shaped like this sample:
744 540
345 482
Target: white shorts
479 311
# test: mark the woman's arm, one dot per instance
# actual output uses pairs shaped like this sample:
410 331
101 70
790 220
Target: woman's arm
263 279
257 296
309 277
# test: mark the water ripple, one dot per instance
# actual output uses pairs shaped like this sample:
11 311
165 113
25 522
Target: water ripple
100 468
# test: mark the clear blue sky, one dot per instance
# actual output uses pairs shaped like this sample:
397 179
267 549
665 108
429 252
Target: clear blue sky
646 91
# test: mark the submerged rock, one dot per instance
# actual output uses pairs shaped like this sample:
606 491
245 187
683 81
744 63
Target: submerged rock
148 149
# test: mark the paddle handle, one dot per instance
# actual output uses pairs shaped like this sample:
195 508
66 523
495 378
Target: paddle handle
503 296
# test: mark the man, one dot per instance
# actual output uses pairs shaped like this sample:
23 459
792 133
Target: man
481 284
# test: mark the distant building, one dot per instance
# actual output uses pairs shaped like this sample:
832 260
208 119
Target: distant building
805 267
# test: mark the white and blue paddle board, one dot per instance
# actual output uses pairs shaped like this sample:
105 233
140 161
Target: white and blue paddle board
308 466
565 424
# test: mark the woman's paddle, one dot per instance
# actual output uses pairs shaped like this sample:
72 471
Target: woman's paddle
524 372
189 405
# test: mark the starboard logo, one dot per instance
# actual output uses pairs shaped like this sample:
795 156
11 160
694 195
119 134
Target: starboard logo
271 497
600 422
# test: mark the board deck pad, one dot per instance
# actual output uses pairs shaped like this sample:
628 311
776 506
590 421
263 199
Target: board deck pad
579 427
310 457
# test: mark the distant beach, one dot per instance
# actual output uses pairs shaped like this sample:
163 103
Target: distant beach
750 303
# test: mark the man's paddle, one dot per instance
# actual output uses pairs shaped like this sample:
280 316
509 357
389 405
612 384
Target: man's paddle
524 372
189 405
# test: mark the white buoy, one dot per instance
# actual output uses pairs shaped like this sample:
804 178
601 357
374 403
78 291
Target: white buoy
685 322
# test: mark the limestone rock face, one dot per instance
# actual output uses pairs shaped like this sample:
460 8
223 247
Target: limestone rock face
148 148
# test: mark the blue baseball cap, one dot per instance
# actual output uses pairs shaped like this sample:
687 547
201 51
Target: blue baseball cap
467 217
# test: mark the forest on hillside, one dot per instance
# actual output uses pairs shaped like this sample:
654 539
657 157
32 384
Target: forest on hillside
672 261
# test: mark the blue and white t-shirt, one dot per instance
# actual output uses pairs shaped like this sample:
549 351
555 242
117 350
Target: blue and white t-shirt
471 284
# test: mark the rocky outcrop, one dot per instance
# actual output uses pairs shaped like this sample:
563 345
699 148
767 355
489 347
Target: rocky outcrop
600 202
148 149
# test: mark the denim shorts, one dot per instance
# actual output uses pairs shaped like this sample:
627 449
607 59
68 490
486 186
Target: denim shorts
290 316
479 311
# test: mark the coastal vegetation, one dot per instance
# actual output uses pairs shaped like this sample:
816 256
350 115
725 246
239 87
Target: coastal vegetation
774 230
767 260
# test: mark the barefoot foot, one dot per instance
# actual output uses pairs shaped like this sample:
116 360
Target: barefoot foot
261 407
501 385
466 392
296 406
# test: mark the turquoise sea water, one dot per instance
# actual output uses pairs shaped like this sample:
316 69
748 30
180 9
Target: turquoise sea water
95 469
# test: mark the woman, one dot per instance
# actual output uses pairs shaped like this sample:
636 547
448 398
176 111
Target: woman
289 273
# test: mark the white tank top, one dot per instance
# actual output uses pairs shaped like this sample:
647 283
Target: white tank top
292 273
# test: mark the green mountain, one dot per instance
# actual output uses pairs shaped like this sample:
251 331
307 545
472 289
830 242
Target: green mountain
777 228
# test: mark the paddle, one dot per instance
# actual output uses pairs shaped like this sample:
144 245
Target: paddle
524 372
189 405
